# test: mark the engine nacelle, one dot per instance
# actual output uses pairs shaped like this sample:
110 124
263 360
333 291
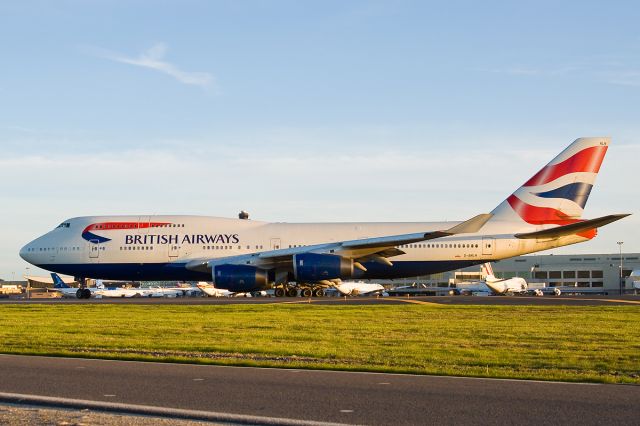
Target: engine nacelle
312 267
240 278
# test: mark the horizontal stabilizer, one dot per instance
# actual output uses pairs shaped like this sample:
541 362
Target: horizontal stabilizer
573 228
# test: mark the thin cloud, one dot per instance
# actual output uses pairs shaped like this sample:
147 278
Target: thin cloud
533 71
624 78
153 58
609 72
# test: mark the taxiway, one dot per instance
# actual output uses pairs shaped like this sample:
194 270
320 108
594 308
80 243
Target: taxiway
281 396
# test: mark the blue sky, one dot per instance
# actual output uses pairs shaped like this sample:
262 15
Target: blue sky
308 111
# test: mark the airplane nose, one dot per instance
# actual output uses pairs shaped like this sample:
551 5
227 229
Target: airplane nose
25 253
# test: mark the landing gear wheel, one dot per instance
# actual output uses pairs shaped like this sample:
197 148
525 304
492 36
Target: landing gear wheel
292 292
279 292
79 294
318 292
305 292
86 293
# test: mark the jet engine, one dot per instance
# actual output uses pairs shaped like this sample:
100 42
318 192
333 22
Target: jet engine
312 267
240 278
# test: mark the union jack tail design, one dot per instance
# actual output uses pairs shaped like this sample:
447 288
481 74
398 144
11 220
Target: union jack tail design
557 194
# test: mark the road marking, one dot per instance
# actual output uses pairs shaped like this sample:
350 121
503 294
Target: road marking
417 302
346 411
109 395
384 383
198 380
632 302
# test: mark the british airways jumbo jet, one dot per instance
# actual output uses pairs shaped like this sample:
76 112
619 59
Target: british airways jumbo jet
246 255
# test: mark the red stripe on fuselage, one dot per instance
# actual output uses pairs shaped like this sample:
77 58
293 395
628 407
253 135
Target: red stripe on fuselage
108 226
588 161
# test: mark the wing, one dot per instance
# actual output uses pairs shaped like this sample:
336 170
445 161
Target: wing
377 249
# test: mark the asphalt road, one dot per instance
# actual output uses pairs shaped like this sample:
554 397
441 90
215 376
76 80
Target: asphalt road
591 300
322 396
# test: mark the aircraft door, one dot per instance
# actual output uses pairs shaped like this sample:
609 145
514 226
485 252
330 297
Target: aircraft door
275 243
94 249
174 250
488 246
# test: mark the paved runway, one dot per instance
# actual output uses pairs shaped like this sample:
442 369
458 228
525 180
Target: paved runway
591 300
321 396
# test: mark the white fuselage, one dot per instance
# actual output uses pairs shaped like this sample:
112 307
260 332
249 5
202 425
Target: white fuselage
511 285
358 288
158 247
211 291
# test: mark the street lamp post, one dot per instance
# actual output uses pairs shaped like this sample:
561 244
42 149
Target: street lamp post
621 275
26 275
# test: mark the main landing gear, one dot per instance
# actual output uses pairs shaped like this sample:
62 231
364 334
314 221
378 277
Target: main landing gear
83 292
303 291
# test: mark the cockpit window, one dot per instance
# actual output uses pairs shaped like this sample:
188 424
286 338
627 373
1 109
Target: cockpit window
64 225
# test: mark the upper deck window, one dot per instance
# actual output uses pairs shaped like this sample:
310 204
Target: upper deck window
64 225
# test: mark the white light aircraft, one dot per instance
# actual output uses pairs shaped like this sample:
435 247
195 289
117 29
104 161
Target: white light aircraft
358 288
509 286
211 291
243 255
123 292
497 286
144 291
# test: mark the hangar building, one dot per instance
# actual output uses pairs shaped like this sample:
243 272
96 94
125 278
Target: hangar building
596 271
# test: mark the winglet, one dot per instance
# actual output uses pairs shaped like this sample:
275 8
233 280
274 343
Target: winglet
470 226
467 227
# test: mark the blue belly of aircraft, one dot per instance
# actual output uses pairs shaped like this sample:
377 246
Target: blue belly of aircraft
178 272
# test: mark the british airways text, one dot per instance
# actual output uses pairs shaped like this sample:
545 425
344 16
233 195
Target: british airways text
182 239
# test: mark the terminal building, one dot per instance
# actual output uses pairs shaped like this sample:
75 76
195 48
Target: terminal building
592 271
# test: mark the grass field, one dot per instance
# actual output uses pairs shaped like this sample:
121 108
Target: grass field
594 344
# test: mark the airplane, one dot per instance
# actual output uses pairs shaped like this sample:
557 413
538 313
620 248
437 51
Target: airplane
66 291
242 255
211 291
509 286
168 291
358 288
123 292
142 291
496 286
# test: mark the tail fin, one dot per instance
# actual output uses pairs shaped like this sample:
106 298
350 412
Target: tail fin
57 281
558 193
487 270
